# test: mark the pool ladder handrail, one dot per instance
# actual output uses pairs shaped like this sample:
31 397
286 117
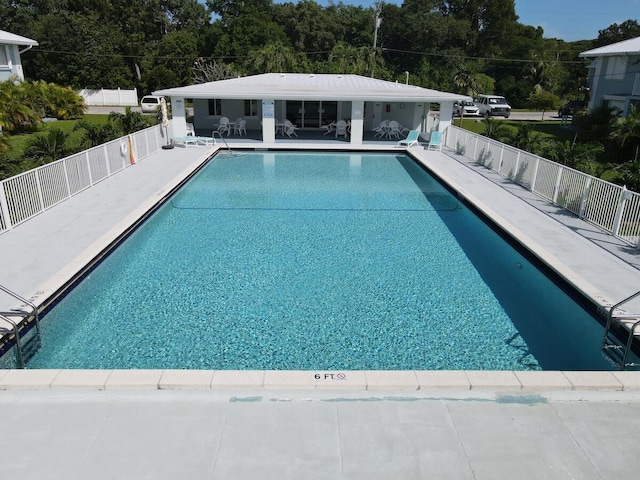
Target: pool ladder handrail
213 135
20 324
615 348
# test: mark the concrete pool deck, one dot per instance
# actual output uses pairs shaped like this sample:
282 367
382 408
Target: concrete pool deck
201 424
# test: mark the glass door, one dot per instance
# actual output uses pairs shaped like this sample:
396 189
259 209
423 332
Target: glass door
294 112
328 112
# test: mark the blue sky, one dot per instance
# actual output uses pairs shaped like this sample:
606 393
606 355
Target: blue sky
569 20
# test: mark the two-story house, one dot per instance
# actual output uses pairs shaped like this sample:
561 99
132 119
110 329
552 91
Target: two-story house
614 75
11 46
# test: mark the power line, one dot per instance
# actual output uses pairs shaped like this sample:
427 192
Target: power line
311 53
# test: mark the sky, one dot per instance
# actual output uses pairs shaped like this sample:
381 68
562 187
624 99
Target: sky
569 20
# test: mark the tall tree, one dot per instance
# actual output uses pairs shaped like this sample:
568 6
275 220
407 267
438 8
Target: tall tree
616 33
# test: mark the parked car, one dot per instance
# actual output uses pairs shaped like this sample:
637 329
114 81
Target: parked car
572 107
150 103
467 107
493 106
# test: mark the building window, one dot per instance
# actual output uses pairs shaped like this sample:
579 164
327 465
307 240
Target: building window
250 108
215 107
4 57
616 68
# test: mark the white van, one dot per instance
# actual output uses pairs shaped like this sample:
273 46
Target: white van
493 106
150 104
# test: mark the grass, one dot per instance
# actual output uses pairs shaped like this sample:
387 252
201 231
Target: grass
549 128
17 143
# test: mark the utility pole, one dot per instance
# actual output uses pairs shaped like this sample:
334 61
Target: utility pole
378 22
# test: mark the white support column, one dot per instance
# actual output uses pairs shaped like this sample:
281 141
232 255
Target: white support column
178 114
446 115
268 121
357 122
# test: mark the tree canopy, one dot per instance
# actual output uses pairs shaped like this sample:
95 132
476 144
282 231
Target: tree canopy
454 45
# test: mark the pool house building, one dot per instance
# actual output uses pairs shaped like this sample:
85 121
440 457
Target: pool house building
311 104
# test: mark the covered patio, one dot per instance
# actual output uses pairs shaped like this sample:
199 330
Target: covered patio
277 107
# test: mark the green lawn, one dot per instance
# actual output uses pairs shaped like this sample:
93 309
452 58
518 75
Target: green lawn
549 128
18 142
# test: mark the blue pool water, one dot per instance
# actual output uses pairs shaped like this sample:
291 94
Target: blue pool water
317 262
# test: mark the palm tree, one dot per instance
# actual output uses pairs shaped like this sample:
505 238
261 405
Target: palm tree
493 128
129 121
94 134
16 112
527 138
627 130
465 82
581 156
47 147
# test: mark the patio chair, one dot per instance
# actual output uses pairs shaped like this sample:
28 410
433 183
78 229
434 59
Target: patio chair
290 129
223 126
240 127
341 128
435 142
191 132
381 129
329 127
394 130
412 139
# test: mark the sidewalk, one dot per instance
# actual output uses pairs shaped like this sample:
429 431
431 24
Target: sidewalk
169 435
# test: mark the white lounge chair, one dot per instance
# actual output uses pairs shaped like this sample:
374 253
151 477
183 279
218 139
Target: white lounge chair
412 139
205 141
435 142
184 141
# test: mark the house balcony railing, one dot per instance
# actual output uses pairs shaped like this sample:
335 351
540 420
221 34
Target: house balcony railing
611 207
34 191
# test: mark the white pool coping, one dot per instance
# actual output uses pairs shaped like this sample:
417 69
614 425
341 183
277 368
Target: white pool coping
354 381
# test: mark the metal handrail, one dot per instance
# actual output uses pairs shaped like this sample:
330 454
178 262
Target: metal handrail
34 312
17 336
213 135
614 307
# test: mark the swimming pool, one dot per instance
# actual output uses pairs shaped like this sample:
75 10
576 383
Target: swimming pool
314 261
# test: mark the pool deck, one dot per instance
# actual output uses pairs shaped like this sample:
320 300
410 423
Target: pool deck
61 424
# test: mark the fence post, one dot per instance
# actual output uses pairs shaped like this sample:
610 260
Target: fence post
585 196
106 159
86 156
534 177
500 160
4 208
556 187
39 188
66 177
624 196
475 147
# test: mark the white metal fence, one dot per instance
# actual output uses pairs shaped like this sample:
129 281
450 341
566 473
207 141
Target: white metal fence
32 192
610 207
